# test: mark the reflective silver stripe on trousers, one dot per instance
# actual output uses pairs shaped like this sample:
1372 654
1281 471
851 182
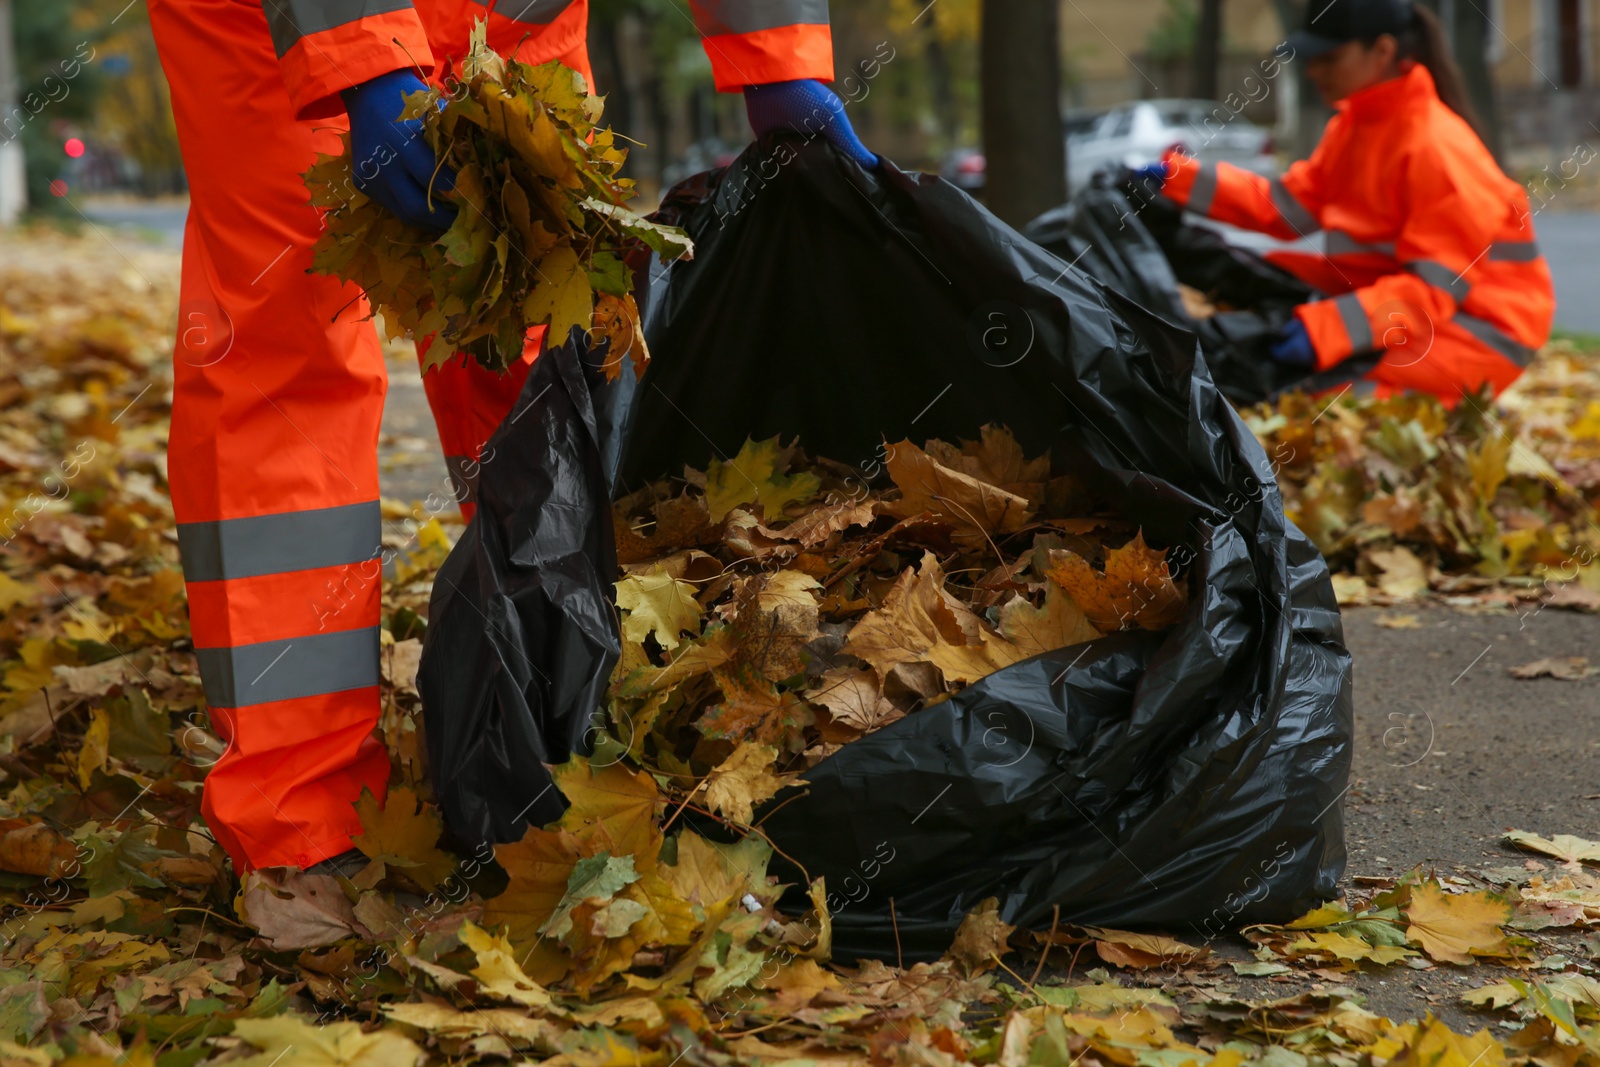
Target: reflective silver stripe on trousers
1355 322
290 20
1203 191
1293 212
246 675
278 544
464 471
1496 338
1514 251
1441 277
717 17
1340 243
537 12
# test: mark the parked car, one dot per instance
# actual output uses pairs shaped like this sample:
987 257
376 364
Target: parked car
964 168
1142 132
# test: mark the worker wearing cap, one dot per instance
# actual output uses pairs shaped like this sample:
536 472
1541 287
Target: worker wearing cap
1429 256
279 379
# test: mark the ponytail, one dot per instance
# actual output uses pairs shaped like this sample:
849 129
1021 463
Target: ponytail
1424 41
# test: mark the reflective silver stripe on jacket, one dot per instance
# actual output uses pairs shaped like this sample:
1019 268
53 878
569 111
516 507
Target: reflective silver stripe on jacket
1355 322
536 12
290 20
1441 277
1496 338
1293 212
1203 191
295 667
717 17
1340 243
278 544
1514 251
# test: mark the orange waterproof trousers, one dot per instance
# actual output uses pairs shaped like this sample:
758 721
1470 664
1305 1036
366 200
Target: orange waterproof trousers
278 394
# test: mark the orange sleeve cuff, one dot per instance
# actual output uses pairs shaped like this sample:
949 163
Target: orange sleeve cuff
319 66
781 54
1182 170
1328 324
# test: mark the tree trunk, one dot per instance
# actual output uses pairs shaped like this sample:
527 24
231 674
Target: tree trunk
1208 50
1311 113
1020 56
1470 40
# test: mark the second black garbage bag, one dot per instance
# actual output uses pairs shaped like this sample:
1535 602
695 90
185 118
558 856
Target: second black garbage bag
1130 238
1190 779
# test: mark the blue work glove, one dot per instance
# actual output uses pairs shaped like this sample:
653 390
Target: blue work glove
393 163
1293 346
1151 172
807 107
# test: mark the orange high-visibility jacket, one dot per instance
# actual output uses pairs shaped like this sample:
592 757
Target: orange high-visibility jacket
1429 246
326 46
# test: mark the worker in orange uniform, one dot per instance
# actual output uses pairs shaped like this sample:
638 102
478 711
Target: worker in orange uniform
279 379
1430 255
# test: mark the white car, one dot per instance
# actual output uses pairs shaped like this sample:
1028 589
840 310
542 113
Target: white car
1142 132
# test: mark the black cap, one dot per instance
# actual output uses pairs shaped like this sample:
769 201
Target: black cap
1331 23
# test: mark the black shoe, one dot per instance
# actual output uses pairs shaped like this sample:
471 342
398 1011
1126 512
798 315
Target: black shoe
344 865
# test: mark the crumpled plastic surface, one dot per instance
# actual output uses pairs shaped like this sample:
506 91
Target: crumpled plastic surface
1190 780
1139 244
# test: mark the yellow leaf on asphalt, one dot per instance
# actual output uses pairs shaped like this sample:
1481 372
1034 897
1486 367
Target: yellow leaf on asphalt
1456 927
1564 847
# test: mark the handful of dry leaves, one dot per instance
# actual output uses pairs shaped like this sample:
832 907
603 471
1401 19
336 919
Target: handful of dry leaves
777 607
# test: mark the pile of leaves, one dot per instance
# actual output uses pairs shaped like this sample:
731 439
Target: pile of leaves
541 234
1403 494
776 607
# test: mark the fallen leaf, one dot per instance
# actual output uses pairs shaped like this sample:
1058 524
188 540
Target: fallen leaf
756 475
293 909
1566 668
1135 589
657 604
1456 927
981 938
323 1045
743 780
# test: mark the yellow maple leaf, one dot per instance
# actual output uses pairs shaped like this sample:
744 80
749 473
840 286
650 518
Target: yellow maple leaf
498 972
562 297
982 937
1456 927
657 603
744 780
974 506
288 1038
753 476
404 832
1135 589
613 808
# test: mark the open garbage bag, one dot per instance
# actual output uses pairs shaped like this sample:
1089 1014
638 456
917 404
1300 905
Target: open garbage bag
1138 243
1190 779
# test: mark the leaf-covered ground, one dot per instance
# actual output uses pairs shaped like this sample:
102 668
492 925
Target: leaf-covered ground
125 938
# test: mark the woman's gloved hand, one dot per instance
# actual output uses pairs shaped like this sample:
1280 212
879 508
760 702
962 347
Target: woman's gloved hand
1293 346
1154 173
393 163
807 107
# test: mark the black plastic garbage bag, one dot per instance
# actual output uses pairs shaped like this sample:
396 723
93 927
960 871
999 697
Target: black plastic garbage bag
1190 779
1139 244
